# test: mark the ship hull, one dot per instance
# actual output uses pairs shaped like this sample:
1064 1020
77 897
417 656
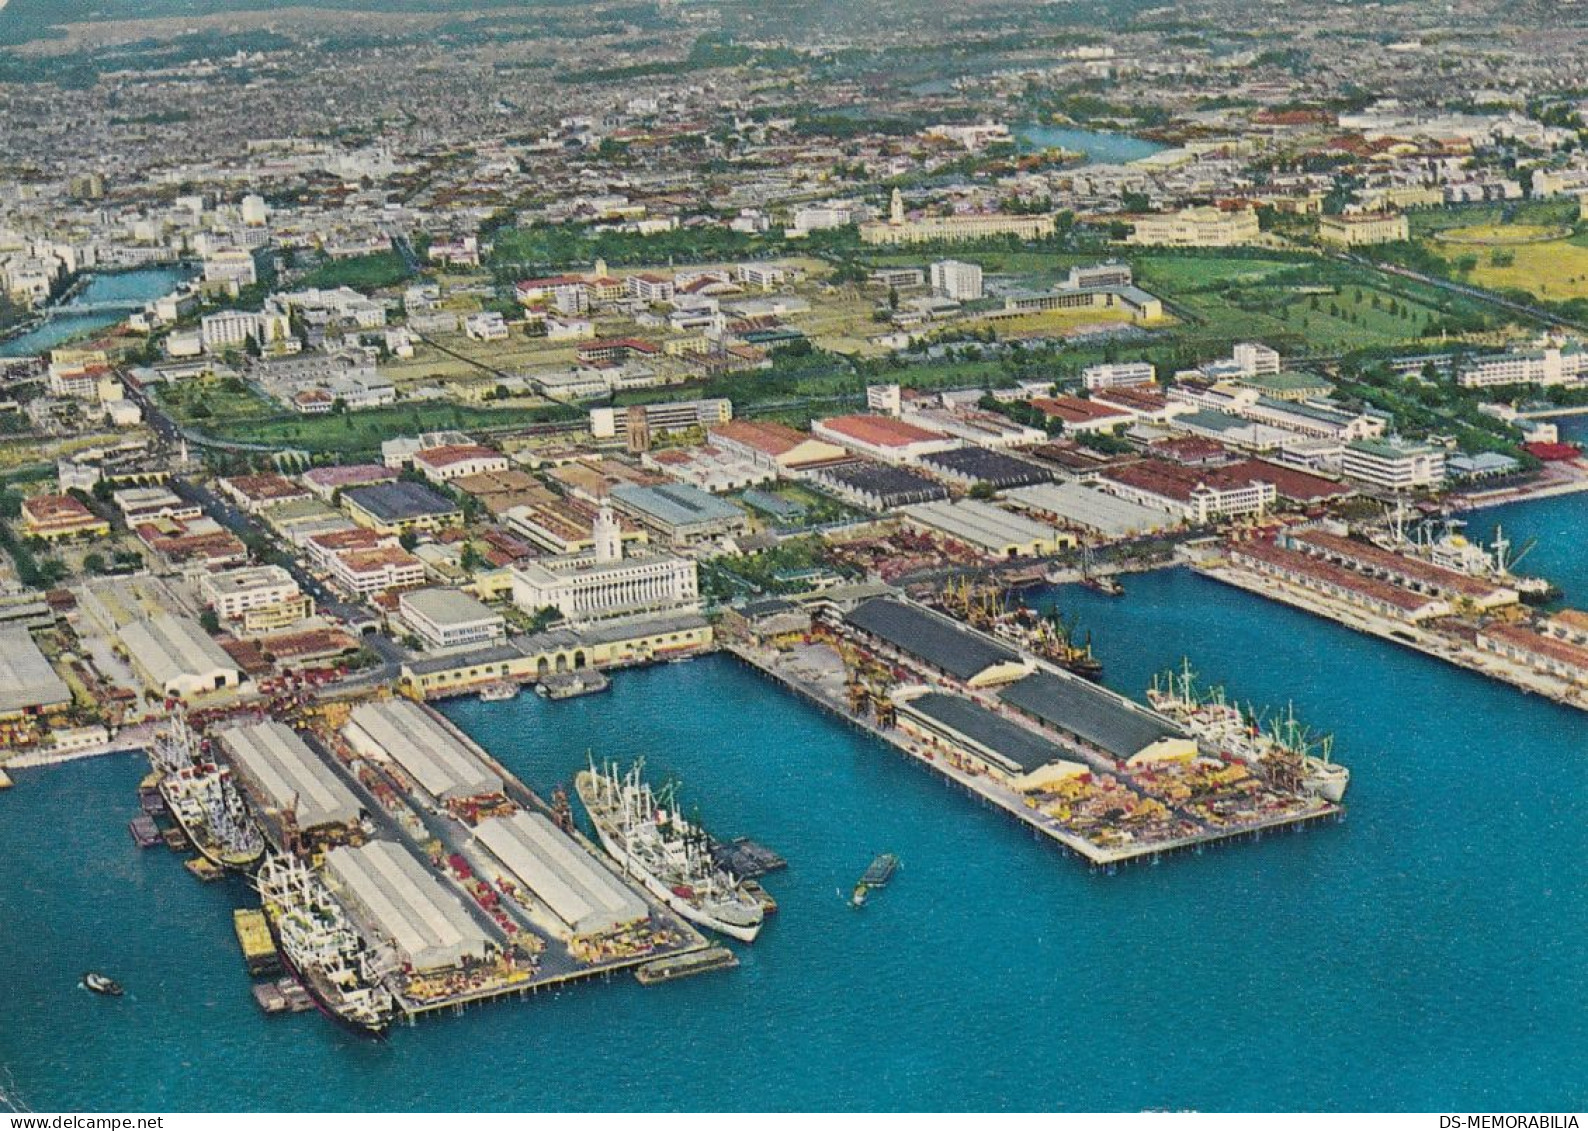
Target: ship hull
202 844
654 884
322 999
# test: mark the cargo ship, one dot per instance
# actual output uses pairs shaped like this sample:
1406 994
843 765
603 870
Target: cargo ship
319 946
1445 544
204 801
670 855
1285 753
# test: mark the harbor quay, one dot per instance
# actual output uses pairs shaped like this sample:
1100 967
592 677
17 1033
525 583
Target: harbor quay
406 867
1478 623
1105 778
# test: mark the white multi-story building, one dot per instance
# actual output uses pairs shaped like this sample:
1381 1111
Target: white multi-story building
1119 374
234 592
363 572
448 618
956 280
1393 464
829 214
1255 359
486 326
602 583
231 266
1550 366
230 329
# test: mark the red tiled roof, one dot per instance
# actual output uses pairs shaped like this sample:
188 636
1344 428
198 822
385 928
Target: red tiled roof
880 431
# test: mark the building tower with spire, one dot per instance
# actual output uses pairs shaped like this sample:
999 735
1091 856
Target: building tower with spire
896 208
607 536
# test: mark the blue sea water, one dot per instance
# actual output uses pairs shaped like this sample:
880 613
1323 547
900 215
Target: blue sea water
1430 952
1105 147
144 285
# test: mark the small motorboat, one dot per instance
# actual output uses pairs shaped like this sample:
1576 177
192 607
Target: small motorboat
100 984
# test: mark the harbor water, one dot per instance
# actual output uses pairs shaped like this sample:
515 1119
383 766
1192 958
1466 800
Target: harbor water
1429 952
143 285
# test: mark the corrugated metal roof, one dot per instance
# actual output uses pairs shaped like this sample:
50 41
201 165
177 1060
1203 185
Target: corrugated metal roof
929 637
1089 713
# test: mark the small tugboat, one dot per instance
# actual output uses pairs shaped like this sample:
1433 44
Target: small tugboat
100 984
877 875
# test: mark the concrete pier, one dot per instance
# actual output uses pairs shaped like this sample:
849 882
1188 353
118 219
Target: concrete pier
991 794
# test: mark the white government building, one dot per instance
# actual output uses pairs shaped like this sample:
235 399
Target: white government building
602 583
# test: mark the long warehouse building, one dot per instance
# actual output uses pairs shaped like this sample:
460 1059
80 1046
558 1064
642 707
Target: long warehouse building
392 894
1076 505
28 684
283 774
579 891
405 733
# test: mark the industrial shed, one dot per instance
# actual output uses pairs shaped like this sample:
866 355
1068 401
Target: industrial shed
282 774
985 528
1086 508
969 466
544 859
1096 717
176 657
392 894
407 734
1010 751
937 642
27 681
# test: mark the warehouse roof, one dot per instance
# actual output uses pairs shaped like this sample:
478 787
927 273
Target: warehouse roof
578 890
447 606
436 757
890 486
279 765
1080 505
394 502
676 504
930 637
403 901
986 466
1014 748
26 678
1101 718
982 525
169 648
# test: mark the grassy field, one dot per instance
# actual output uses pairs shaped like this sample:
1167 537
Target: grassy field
1554 269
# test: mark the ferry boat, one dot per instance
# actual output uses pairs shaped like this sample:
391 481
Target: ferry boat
1285 753
102 985
499 692
877 875
320 946
204 801
670 855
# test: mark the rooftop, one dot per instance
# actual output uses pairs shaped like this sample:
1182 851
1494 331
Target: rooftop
880 431
930 638
1016 749
26 678
395 502
1100 718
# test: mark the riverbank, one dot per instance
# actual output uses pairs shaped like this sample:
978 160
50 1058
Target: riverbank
133 286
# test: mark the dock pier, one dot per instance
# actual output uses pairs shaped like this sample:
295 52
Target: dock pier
1098 858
